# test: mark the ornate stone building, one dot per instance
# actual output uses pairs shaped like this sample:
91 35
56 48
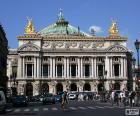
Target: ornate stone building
3 58
61 57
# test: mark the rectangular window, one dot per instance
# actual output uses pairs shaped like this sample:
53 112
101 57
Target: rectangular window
45 70
59 70
73 70
87 71
29 70
116 69
100 70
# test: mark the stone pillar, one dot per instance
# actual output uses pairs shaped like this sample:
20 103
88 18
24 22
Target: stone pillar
23 67
125 69
35 88
79 67
106 83
20 88
52 87
111 67
35 67
54 71
19 67
38 67
123 85
107 66
32 70
67 67
92 65
95 70
51 69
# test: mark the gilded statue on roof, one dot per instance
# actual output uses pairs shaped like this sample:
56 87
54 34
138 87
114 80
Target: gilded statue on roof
113 29
30 27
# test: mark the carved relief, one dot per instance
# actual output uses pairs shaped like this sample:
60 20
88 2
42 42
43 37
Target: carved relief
117 49
29 48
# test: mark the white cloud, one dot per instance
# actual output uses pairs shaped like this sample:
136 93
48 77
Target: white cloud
97 29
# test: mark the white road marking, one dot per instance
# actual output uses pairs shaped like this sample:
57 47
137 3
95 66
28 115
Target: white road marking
27 110
99 107
36 109
45 109
90 107
73 108
17 110
54 109
83 108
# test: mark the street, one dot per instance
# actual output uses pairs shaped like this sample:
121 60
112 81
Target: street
75 108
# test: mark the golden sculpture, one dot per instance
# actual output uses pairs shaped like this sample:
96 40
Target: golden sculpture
30 27
113 29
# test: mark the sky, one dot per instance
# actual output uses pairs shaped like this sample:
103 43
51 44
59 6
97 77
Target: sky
82 13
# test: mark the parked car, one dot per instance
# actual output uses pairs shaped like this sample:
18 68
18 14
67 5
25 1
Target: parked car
2 102
58 98
72 96
49 98
20 100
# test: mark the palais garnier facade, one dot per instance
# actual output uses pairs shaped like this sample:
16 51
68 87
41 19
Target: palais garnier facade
61 57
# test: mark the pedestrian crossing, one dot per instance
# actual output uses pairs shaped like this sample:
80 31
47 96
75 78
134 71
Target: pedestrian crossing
44 109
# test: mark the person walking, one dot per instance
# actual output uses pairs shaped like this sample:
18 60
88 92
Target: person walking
112 97
64 100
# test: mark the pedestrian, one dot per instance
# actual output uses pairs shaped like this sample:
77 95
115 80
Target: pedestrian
64 100
112 97
132 96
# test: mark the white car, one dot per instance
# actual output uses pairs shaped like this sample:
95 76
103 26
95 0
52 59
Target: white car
72 96
2 102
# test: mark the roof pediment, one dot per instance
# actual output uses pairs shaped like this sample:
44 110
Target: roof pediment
29 47
117 48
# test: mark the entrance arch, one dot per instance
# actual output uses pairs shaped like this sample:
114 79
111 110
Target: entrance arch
44 88
100 87
59 88
116 86
87 87
73 87
29 89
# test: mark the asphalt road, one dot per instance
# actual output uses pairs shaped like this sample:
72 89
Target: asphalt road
74 108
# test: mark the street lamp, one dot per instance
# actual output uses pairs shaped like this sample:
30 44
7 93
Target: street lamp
137 45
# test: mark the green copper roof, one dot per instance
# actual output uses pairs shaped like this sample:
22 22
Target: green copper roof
61 27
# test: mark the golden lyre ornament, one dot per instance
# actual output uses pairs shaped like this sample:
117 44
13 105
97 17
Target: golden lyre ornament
113 29
30 27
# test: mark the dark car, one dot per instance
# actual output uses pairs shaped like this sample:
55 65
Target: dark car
49 98
20 100
58 98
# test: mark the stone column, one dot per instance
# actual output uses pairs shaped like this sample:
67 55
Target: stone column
111 67
79 67
125 69
38 67
51 69
35 88
32 70
34 67
23 67
65 67
54 71
107 66
92 68
95 69
19 67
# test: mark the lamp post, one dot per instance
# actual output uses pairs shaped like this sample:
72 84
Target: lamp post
137 45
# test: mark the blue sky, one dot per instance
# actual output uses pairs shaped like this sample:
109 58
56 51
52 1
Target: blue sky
82 13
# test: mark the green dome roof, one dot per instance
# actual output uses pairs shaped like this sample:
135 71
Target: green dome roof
61 27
